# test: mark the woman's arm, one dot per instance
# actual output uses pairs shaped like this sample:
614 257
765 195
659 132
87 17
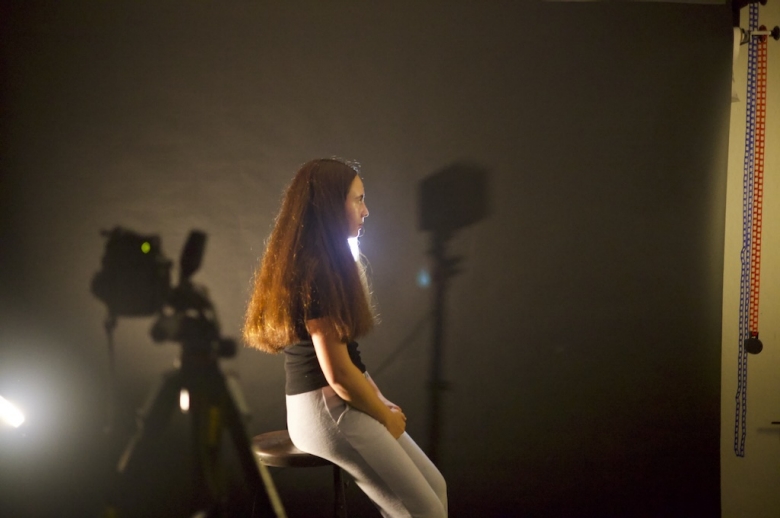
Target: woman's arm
347 381
389 404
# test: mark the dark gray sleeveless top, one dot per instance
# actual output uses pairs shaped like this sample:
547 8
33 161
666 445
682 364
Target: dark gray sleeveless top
302 369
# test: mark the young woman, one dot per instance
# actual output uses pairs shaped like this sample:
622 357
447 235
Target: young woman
311 301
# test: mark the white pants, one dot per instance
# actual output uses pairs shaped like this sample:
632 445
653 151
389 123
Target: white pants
395 474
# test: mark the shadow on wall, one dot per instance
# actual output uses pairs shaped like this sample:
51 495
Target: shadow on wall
450 200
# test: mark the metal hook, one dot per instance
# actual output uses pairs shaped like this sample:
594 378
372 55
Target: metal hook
745 34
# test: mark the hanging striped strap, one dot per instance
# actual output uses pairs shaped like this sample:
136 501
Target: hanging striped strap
752 199
758 184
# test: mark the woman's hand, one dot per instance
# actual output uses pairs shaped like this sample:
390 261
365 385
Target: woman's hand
395 422
389 404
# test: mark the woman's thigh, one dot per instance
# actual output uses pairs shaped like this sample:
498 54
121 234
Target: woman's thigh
395 474
385 471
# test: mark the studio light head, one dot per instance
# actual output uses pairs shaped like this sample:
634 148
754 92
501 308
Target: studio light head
453 198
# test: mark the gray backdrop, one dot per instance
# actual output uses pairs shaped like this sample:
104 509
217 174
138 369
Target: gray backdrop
582 346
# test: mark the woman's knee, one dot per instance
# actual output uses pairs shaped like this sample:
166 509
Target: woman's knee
439 486
434 509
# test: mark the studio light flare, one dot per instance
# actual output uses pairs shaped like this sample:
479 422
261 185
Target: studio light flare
353 245
10 414
184 401
423 278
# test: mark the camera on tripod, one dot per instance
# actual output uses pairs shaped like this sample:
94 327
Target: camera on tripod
135 280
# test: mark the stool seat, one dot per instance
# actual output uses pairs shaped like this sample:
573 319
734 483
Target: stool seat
277 450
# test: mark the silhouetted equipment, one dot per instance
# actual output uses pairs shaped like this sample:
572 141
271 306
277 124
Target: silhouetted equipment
134 281
135 275
188 316
450 199
276 449
453 198
192 255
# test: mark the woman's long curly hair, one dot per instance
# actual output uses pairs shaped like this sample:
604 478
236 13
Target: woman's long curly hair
308 270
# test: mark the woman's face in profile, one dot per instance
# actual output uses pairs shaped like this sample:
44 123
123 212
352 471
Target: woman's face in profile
356 207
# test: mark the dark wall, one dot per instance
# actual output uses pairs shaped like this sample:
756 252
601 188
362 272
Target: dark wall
582 339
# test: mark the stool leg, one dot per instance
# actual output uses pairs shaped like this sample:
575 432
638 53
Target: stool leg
340 504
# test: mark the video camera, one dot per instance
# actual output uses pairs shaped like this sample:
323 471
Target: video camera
135 280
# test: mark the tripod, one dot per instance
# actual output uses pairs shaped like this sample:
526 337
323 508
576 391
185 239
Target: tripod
214 406
135 281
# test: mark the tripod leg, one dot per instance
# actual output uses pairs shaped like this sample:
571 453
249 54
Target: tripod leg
154 416
265 497
208 483
152 419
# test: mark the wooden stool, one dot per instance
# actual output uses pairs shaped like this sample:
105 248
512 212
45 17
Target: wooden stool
277 450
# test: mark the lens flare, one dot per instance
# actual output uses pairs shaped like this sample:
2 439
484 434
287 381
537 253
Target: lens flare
423 278
353 245
184 401
10 414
